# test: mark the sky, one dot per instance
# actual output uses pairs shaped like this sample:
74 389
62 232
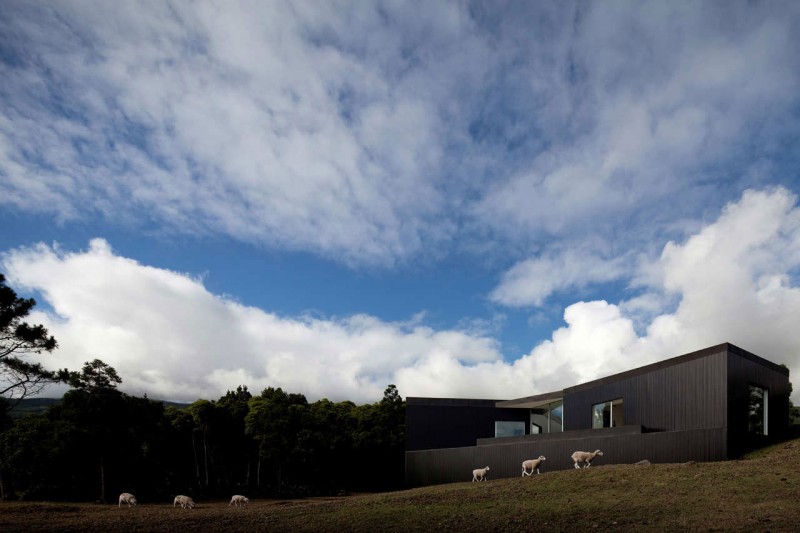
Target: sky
464 199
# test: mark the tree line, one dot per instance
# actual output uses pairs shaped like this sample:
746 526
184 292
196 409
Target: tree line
99 441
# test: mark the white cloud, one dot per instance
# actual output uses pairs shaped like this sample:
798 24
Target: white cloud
530 282
372 133
169 337
735 280
267 123
669 100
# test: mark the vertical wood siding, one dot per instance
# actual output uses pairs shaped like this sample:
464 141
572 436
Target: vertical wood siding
741 373
691 408
688 395
430 467
450 423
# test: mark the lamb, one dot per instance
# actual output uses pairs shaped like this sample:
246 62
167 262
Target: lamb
532 464
185 502
238 500
585 457
479 474
127 497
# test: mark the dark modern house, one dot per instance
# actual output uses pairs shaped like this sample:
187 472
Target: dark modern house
709 405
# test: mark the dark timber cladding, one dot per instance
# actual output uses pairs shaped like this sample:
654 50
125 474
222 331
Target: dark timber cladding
452 423
430 467
687 393
695 407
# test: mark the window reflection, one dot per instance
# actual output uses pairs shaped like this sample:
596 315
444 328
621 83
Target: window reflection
757 410
509 429
556 416
608 414
548 418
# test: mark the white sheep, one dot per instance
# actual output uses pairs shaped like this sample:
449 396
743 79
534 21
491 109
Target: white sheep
585 457
531 464
127 497
238 500
479 474
185 502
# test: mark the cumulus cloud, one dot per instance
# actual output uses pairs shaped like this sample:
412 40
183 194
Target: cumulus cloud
735 280
171 338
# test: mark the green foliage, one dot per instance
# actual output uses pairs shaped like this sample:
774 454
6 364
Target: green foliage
98 442
95 376
20 378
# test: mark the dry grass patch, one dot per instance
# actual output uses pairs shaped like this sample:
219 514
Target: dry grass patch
758 493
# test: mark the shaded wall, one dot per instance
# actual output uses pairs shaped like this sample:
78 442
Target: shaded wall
693 407
619 445
452 423
745 368
666 396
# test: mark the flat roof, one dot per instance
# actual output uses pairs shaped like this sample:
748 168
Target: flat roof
680 359
530 402
542 399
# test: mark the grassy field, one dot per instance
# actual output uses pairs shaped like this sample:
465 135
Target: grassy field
758 493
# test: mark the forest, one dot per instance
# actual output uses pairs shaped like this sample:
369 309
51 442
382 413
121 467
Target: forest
98 441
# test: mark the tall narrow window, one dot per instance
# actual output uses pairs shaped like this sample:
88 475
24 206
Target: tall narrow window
757 412
557 417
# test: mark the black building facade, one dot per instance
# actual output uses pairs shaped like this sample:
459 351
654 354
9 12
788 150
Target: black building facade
708 405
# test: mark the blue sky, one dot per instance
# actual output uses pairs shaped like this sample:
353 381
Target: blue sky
463 198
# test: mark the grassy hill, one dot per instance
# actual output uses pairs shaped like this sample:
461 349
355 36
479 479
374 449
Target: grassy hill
758 493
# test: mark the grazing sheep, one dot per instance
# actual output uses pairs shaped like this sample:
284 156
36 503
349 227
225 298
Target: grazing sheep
238 500
127 497
185 502
585 457
479 474
532 464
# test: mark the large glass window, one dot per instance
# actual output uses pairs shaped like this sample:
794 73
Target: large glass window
539 420
509 429
757 410
608 414
548 418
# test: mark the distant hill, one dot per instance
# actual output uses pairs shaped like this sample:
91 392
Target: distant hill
33 406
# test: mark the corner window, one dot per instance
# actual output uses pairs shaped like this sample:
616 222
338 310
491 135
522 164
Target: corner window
608 414
757 412
509 429
548 418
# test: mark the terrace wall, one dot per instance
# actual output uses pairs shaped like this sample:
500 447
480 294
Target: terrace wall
622 445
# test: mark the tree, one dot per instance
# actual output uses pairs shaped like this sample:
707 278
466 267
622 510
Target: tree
20 378
203 413
236 449
96 377
96 408
380 440
274 420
